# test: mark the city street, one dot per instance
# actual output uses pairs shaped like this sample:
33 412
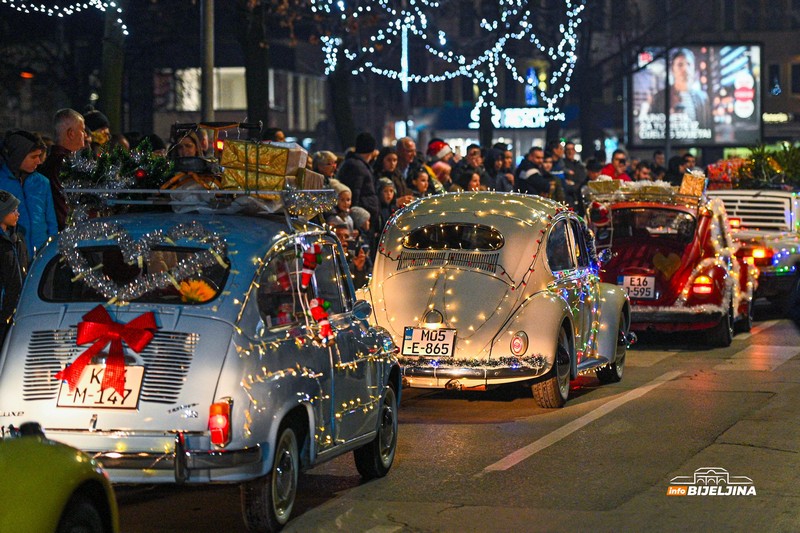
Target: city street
494 461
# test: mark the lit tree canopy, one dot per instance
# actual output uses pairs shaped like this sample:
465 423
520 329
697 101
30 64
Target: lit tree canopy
368 28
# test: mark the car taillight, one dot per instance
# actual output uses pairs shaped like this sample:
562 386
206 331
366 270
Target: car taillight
702 285
759 256
219 422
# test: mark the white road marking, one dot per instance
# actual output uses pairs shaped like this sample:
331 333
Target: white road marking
564 431
759 357
645 359
757 329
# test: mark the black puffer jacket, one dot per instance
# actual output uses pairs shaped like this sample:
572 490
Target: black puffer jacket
13 267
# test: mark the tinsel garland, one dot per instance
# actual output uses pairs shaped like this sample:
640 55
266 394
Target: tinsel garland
135 252
531 361
116 168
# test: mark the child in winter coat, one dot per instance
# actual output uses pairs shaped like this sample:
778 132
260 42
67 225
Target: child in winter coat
13 260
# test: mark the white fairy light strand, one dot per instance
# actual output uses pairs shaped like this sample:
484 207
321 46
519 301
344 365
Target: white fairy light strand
483 69
63 11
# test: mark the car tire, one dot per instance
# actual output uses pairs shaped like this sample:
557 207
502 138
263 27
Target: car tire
721 335
745 324
553 391
612 372
80 515
374 459
267 502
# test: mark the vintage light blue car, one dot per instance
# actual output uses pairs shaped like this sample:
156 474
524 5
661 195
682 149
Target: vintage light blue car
197 348
482 289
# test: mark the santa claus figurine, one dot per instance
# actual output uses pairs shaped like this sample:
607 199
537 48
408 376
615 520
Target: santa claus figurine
318 308
312 256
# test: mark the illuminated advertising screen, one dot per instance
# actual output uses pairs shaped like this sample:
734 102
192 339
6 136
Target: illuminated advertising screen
710 94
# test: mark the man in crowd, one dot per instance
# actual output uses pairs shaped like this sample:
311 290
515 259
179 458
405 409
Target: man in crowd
356 173
529 179
616 169
70 136
642 172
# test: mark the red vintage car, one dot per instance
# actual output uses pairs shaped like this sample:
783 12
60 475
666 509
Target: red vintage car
674 256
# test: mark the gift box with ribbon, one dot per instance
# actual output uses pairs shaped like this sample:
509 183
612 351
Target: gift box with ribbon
278 159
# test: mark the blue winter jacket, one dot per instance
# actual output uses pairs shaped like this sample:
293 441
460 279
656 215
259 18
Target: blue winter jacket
37 215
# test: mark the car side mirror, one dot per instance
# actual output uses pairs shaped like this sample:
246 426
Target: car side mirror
362 309
604 256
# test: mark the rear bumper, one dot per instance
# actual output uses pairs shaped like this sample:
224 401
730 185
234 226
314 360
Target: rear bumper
468 373
675 318
175 458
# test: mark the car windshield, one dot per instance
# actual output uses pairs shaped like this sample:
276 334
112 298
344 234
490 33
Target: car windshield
454 237
60 284
671 225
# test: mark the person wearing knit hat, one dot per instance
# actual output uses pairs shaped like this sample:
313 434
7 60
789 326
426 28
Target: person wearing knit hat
339 187
13 259
360 219
365 143
20 155
99 125
356 173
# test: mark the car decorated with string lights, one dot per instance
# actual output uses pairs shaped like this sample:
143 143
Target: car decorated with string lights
483 289
204 347
766 223
673 253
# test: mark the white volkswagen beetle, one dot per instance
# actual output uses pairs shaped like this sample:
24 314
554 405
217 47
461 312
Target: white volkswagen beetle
485 288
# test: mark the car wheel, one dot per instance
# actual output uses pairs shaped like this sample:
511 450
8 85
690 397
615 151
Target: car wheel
80 516
554 390
612 372
267 502
721 335
374 459
745 324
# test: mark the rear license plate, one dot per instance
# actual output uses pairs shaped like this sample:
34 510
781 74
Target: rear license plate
88 394
643 287
429 342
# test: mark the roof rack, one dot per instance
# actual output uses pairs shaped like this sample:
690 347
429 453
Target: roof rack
302 203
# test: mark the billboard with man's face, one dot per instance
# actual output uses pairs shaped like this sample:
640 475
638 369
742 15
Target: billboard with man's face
711 95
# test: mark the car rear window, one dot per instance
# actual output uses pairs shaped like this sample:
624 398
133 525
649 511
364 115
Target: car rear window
664 224
60 284
454 237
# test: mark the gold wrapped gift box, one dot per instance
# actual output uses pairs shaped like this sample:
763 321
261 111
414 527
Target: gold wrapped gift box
249 180
277 159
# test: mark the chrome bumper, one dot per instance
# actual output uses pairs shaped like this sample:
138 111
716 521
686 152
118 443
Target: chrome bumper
452 375
181 461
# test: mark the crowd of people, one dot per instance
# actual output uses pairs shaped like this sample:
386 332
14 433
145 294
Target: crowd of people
371 182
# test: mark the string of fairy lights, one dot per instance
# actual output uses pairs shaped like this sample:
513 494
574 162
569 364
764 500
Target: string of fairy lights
412 21
66 10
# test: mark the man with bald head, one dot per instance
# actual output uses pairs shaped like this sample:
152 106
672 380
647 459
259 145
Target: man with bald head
70 136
